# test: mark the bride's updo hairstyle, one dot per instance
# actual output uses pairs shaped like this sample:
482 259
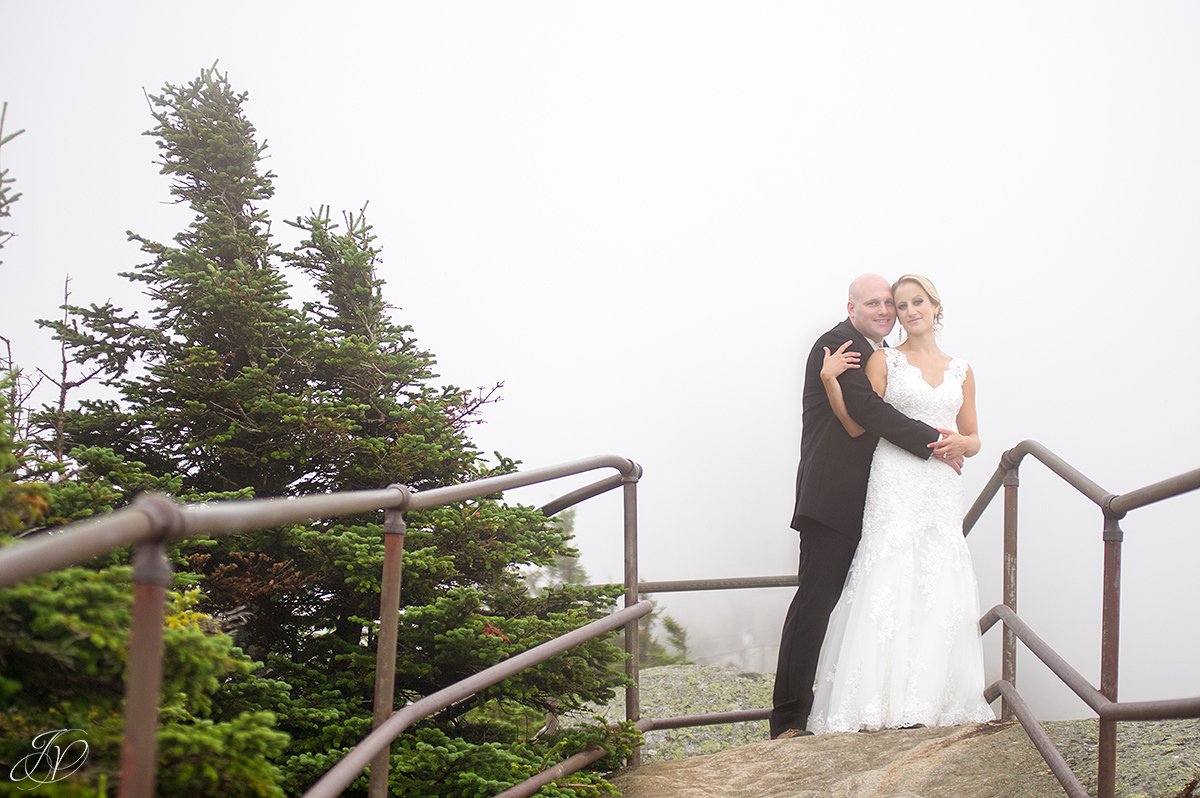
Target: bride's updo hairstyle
923 282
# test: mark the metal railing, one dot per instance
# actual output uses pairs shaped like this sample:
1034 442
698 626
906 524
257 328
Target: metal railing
151 523
1103 701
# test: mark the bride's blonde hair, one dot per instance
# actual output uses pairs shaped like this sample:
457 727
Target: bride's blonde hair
925 285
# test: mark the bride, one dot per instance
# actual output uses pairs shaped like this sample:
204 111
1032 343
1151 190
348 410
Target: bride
902 648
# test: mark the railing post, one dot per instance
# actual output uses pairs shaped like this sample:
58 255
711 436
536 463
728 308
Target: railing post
1008 657
394 530
633 700
1110 653
143 678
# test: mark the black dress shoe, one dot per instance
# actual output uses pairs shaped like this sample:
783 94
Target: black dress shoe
788 734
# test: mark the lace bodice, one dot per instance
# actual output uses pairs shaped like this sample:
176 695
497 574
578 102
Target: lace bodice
908 392
906 491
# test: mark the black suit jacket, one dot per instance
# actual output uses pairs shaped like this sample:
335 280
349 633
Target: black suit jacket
831 485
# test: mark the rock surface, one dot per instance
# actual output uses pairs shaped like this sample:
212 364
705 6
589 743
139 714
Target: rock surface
985 761
1158 759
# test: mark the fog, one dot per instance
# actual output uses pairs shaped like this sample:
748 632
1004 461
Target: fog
638 216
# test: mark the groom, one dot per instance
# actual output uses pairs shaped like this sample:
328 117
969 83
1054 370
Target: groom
831 490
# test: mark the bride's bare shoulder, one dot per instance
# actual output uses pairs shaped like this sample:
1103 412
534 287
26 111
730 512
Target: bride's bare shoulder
878 358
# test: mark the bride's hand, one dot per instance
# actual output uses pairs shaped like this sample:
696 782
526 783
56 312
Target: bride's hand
952 446
837 362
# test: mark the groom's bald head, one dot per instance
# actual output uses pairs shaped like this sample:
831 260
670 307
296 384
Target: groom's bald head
866 283
870 307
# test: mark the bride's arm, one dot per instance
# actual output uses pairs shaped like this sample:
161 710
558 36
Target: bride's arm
835 364
965 442
877 372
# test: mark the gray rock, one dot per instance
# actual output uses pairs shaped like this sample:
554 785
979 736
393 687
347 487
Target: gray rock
992 760
1159 759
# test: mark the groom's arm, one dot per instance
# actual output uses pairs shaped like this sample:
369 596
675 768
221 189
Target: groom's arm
877 416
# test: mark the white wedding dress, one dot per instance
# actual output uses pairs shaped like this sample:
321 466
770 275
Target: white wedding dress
903 643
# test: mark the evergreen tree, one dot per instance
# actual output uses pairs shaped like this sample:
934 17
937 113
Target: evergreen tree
63 638
7 197
22 503
652 650
229 389
565 569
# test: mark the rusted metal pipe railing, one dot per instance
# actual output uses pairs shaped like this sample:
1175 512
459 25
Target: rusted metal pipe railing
586 757
1069 473
143 521
1162 709
394 530
43 552
83 540
572 764
1049 657
1037 735
732 583
1110 656
1008 645
143 680
984 499
152 522
633 693
437 497
1167 488
1113 508
344 772
155 522
582 494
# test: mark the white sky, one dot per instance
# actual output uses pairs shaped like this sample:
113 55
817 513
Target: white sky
639 215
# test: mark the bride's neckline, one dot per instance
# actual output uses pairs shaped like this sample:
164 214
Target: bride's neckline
921 371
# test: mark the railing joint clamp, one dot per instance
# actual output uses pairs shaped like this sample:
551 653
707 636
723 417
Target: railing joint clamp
1011 478
1012 459
635 473
394 523
165 516
1112 530
1109 513
150 563
405 493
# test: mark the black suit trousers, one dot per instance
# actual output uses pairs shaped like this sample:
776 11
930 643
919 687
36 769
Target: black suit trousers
825 557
